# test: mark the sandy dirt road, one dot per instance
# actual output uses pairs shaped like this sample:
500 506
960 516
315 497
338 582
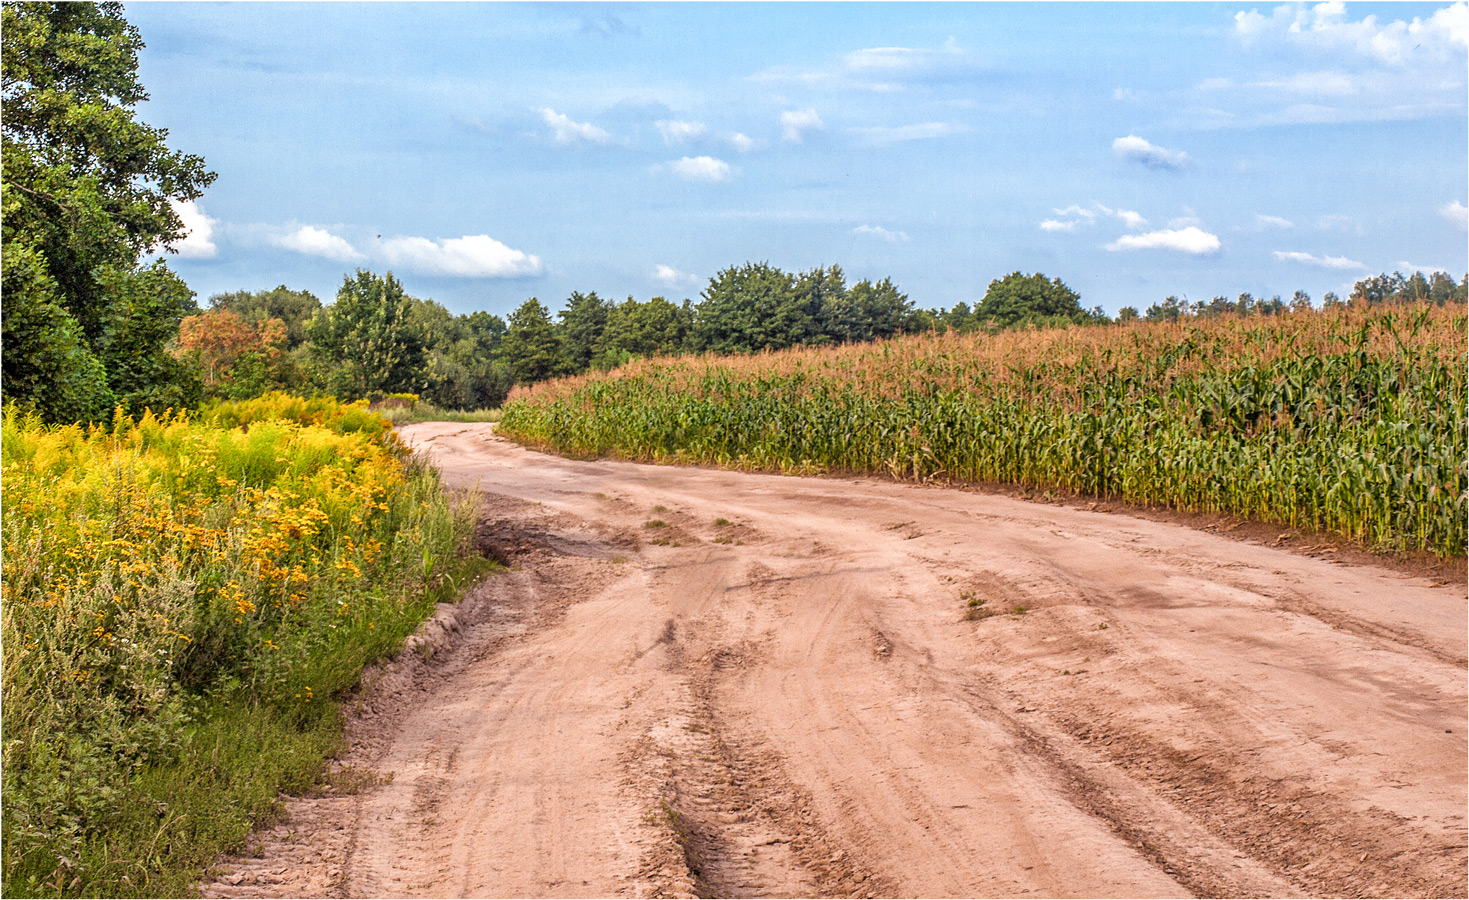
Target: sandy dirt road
724 684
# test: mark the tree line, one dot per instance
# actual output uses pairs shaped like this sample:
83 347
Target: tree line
376 339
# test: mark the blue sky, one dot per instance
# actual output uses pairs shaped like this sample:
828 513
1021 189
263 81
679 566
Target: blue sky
486 153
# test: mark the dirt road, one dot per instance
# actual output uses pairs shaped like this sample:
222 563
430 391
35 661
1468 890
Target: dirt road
706 682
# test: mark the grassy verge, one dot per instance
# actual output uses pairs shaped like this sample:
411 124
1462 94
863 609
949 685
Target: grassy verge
184 600
421 411
1350 421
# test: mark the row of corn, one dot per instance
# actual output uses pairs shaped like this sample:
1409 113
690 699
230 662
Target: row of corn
1349 421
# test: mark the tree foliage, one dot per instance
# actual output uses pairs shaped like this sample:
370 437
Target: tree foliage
367 340
87 189
1019 299
532 346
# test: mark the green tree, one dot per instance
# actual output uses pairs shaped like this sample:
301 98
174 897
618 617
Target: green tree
293 308
868 311
366 342
1018 299
582 323
532 346
462 364
1170 310
86 190
752 307
655 328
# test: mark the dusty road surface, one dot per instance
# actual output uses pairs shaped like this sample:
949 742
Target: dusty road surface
724 684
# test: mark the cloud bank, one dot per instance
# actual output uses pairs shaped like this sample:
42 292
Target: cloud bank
1324 25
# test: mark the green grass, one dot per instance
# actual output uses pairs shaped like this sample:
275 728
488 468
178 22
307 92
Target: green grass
423 411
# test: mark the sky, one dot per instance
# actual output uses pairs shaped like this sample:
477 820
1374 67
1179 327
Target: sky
486 153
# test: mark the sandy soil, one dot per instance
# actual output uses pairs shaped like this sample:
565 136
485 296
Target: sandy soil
724 684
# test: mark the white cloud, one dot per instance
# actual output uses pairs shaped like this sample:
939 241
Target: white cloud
1128 218
318 242
1082 215
471 256
742 142
1325 26
675 132
1138 150
701 168
878 231
1058 225
1264 221
567 132
198 239
919 132
1191 240
1320 262
674 278
1456 213
796 123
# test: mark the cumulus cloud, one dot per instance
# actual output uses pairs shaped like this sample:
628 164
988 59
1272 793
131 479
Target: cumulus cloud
673 278
742 142
1264 221
1320 262
1325 26
920 132
701 168
1136 149
797 123
1456 213
471 256
566 131
1191 240
675 132
313 241
881 233
198 239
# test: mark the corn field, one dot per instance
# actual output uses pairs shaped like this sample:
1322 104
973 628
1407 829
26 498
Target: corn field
1349 421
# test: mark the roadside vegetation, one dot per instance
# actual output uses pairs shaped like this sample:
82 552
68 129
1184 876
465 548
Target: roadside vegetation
185 600
1349 420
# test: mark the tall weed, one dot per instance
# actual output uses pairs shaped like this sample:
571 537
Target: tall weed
179 583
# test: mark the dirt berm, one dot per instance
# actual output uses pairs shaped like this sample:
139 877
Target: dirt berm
716 683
